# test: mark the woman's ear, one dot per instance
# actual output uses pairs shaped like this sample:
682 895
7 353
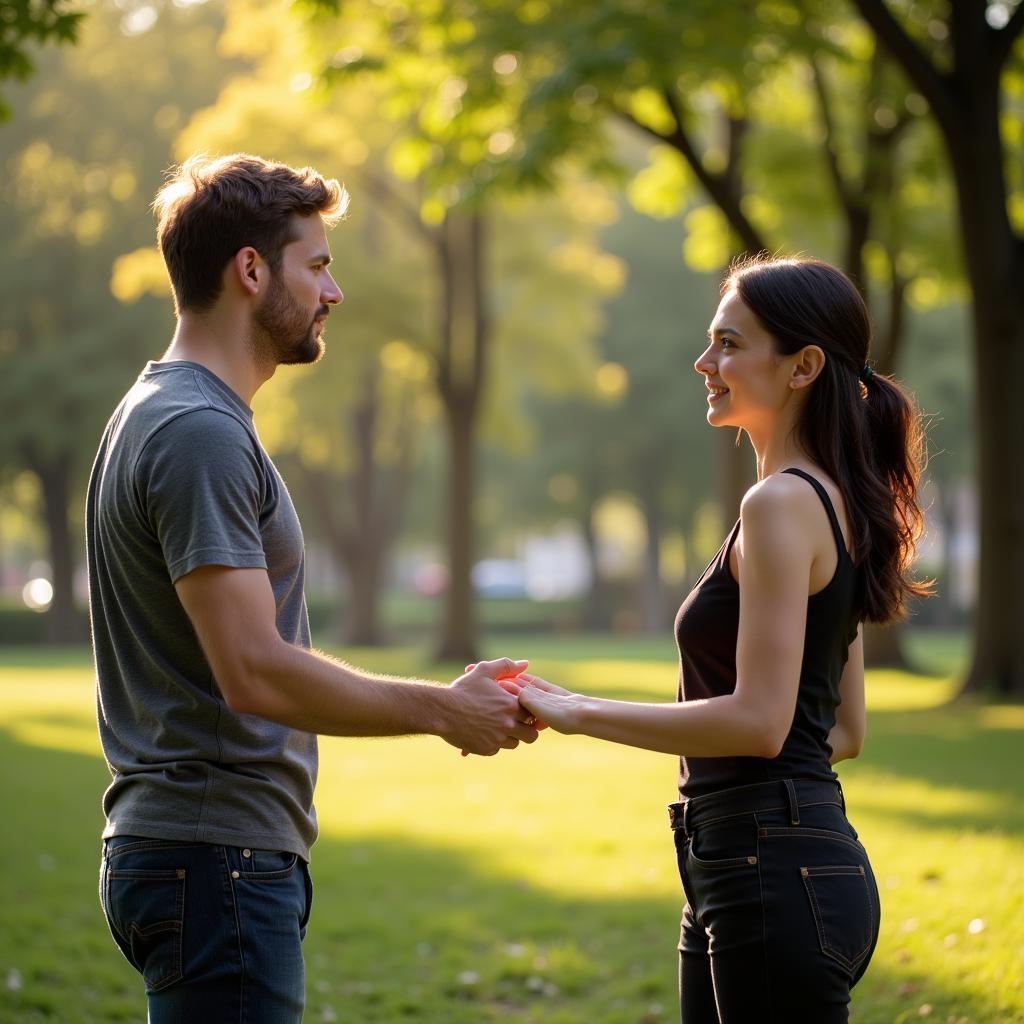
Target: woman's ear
806 365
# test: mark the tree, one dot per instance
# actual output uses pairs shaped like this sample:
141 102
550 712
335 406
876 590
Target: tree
89 131
738 104
639 433
457 283
964 59
358 488
656 329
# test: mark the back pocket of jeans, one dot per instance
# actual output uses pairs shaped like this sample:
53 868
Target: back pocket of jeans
147 910
843 912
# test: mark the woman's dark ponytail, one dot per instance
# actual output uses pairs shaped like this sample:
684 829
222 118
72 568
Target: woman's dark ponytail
897 455
861 427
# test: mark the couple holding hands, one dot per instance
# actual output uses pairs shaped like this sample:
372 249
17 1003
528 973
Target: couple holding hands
210 697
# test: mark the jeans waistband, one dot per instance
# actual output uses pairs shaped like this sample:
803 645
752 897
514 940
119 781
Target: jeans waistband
778 795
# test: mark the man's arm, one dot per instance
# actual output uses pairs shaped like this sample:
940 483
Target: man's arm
234 616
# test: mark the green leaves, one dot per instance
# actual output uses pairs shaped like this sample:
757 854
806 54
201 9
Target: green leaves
27 23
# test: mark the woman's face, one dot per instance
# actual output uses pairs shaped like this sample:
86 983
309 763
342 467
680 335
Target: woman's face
747 381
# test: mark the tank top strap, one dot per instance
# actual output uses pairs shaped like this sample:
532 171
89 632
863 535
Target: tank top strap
727 546
837 533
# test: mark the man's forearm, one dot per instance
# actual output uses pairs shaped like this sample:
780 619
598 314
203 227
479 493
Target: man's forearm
310 691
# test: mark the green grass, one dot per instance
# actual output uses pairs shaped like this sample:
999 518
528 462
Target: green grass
537 886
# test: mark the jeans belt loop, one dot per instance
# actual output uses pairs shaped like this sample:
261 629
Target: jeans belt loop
686 819
794 809
675 816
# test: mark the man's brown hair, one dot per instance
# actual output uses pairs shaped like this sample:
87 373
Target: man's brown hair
210 208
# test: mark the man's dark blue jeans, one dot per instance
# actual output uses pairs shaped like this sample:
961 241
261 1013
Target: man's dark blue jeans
782 908
215 931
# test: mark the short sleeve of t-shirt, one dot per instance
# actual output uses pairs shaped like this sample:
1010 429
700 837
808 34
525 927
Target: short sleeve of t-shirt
200 482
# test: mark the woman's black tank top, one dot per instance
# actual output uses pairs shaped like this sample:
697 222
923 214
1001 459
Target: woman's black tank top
707 626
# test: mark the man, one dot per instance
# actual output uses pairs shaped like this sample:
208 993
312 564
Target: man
209 698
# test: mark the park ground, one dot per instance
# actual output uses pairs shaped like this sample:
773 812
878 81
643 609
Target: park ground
539 885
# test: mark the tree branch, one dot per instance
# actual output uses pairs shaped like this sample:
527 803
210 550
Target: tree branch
915 62
391 200
831 156
1008 35
446 271
719 187
481 312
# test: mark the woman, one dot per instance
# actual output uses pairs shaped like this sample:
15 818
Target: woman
782 908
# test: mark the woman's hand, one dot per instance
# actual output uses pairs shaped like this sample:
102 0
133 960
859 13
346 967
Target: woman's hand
549 704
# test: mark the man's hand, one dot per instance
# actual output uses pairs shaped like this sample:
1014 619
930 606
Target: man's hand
485 717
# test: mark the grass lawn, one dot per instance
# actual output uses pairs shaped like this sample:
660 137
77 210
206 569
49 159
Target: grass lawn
537 886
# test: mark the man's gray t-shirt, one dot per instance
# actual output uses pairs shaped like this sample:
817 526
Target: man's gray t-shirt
180 481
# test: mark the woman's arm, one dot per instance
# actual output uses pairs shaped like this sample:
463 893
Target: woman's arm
847 735
775 558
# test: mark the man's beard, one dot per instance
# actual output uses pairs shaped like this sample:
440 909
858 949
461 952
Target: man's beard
281 333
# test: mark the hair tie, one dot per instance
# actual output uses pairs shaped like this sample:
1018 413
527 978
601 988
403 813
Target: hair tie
866 373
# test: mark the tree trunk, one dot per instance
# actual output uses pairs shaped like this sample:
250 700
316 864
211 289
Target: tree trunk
966 106
652 612
998 659
359 556
63 624
947 506
884 647
995 267
459 632
360 540
461 371
596 611
366 545
364 626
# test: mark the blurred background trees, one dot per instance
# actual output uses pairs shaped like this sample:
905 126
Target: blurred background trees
545 195
90 135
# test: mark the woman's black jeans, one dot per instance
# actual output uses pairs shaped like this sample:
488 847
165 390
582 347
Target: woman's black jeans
782 908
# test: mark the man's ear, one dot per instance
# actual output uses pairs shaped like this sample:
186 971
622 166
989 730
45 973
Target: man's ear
249 271
807 364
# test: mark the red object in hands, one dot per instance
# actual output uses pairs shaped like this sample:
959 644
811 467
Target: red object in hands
515 690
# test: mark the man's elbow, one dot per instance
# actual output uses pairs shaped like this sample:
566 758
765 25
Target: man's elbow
246 685
241 696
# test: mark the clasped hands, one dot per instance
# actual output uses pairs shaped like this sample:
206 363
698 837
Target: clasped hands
538 705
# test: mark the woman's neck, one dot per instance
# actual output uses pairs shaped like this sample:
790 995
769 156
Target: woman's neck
777 450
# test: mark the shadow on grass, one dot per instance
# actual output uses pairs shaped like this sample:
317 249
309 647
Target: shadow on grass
965 748
401 930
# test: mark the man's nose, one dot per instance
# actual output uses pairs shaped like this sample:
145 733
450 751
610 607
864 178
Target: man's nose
332 293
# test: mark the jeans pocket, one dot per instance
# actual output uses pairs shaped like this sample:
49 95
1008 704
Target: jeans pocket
266 865
843 911
682 845
308 886
724 846
146 910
